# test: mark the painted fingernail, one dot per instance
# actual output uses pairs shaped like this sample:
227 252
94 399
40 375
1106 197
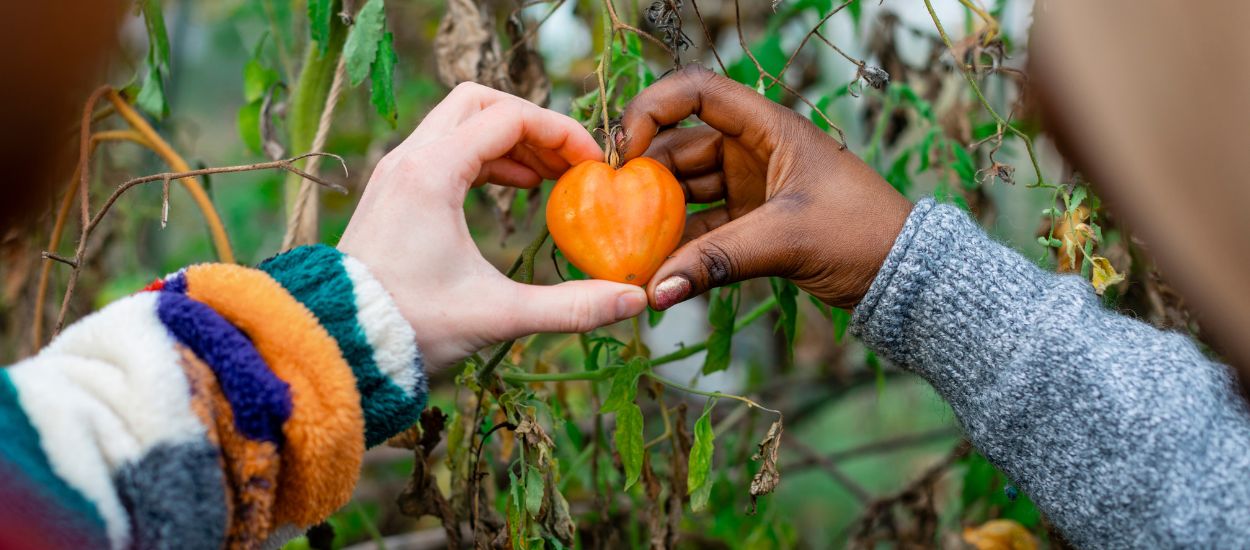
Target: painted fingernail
630 303
670 291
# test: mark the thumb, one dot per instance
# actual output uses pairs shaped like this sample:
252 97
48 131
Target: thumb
574 306
748 247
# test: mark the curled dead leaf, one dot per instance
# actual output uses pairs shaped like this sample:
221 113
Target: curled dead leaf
1103 274
1000 534
467 49
768 476
1073 232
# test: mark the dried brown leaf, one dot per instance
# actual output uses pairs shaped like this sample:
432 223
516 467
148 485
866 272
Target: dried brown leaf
656 525
1103 274
678 468
768 476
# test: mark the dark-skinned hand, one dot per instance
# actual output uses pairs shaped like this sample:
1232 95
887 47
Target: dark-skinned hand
797 204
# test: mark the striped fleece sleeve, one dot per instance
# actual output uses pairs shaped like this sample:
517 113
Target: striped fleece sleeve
223 407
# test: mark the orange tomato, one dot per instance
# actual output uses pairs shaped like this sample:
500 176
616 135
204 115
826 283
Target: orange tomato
617 225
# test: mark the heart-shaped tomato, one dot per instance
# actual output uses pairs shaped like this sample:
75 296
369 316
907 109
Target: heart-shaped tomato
617 225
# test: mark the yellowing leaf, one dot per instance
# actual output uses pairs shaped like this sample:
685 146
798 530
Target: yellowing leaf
1000 534
1103 274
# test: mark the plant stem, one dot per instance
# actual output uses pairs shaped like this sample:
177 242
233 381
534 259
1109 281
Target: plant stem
524 267
520 377
308 100
58 228
1028 143
750 317
716 394
602 374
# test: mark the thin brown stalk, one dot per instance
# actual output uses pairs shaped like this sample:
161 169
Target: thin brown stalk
80 256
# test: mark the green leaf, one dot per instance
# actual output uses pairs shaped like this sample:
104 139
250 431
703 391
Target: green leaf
382 80
516 511
908 96
898 176
151 96
319 14
362 44
822 104
533 491
158 39
624 385
698 475
787 294
824 308
922 150
1078 196
721 313
628 437
700 496
841 319
963 165
771 57
873 363
654 317
257 79
249 125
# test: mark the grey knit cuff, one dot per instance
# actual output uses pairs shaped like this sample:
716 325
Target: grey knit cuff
946 295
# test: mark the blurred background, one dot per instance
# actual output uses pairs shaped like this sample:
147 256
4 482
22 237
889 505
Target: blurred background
870 456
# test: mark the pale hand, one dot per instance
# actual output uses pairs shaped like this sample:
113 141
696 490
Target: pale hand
410 229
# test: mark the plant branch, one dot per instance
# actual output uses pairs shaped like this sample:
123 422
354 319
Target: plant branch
284 164
80 256
618 26
976 89
777 80
815 30
707 35
715 394
58 226
216 229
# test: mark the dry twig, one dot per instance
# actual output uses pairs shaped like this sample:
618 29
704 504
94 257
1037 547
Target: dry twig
80 257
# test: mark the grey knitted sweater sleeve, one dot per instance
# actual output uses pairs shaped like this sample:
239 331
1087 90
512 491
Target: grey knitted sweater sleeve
1125 436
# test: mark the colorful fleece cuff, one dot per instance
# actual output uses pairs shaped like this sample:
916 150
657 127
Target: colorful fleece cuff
323 438
261 401
39 508
122 432
372 335
250 466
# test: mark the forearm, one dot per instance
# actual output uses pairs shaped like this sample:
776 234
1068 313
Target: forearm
223 405
1122 434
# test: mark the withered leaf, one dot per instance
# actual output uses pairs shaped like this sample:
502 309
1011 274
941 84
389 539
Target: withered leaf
1000 534
768 476
1103 274
656 525
465 43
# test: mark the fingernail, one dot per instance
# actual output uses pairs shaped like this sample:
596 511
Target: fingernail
630 303
670 291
